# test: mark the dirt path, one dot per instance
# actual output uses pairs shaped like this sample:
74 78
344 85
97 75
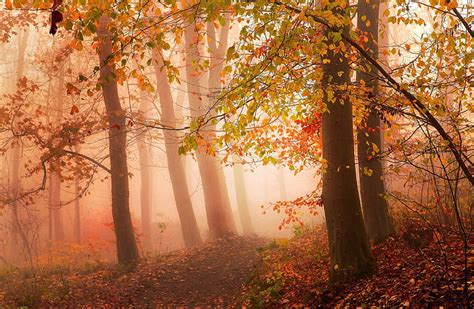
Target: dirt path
211 275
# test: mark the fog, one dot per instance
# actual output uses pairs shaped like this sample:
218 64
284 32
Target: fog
49 64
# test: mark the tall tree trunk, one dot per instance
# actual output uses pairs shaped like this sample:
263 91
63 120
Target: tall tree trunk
15 183
282 184
242 201
218 43
348 243
176 169
145 179
218 47
77 204
181 120
55 203
375 208
127 251
55 168
219 214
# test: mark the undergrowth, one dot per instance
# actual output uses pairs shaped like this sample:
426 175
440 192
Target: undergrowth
411 270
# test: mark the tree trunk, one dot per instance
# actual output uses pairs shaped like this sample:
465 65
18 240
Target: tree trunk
55 203
348 243
145 180
77 205
375 208
282 184
219 214
218 48
127 251
15 183
55 168
181 117
242 201
176 169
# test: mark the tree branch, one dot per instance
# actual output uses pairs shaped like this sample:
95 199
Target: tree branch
463 21
77 154
419 106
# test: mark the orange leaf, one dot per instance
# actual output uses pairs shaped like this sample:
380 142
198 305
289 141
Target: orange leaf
74 110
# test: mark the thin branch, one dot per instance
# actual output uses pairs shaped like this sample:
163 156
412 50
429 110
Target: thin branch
77 154
463 21
417 104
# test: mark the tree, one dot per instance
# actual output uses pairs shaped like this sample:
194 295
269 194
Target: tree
15 172
242 199
282 184
372 189
77 203
348 243
127 251
176 169
55 216
218 43
146 179
219 215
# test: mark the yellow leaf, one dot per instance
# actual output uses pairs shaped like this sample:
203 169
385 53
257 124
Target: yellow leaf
367 171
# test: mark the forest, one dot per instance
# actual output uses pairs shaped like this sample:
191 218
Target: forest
223 153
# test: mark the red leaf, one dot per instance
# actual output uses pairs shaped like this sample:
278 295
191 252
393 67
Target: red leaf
56 4
56 17
74 110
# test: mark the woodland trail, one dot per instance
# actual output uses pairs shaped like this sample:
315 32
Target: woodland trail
210 275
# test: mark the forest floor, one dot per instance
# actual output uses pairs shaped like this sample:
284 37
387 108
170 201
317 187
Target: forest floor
253 271
211 275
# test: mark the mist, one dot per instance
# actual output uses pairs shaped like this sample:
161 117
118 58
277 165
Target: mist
257 154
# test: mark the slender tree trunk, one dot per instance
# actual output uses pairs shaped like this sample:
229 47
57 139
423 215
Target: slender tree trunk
55 203
218 43
181 120
242 201
218 47
219 214
266 184
282 184
348 243
145 180
77 205
55 168
176 169
127 251
15 183
375 208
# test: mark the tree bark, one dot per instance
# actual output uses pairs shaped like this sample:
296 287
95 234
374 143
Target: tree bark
176 169
282 184
127 251
15 182
219 214
349 250
145 180
55 204
77 205
372 190
242 201
218 47
55 168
